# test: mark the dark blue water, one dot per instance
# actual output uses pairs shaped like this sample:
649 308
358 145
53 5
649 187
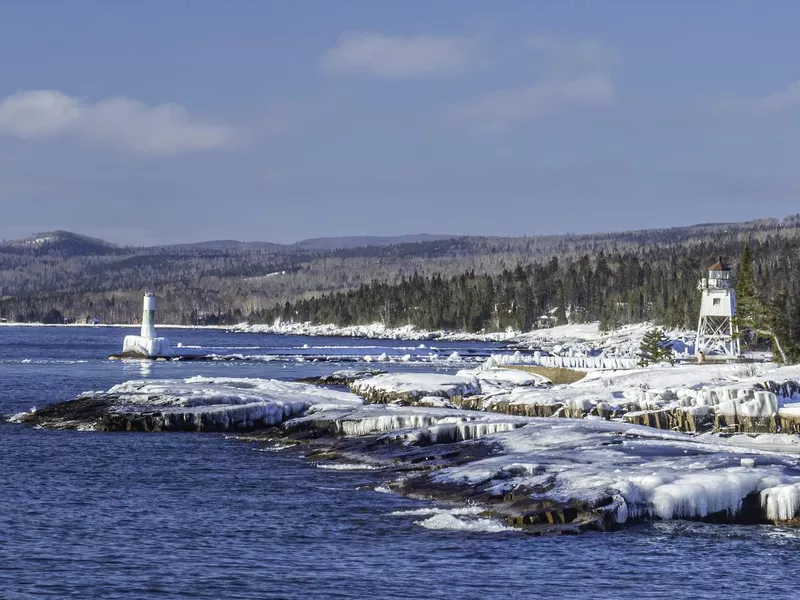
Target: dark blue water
129 515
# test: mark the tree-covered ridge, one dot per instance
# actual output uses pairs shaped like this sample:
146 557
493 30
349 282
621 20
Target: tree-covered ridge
465 283
616 289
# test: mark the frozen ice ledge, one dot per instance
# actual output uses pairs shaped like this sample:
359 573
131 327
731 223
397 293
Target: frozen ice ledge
542 475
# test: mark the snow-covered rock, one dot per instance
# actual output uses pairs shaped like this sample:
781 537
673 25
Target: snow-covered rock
497 380
409 387
192 404
587 473
635 472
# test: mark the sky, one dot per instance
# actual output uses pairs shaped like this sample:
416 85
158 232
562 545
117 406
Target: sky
156 122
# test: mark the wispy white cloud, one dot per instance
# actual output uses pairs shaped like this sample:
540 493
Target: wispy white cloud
499 110
121 122
395 56
566 54
768 104
570 73
786 98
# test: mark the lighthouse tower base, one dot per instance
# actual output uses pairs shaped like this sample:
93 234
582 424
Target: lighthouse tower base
146 344
717 335
146 347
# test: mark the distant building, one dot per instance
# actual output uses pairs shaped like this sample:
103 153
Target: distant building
548 319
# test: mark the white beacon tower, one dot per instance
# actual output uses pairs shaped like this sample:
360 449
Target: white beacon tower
147 345
716 329
149 316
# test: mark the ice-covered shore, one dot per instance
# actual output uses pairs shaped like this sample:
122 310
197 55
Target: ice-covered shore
549 475
540 474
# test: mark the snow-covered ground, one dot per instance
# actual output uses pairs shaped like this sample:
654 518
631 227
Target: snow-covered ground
586 340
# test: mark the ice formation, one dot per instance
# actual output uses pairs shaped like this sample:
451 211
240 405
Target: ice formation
429 425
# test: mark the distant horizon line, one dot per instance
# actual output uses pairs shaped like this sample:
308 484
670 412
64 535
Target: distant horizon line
428 236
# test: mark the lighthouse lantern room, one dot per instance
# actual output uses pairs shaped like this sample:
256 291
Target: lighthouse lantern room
716 328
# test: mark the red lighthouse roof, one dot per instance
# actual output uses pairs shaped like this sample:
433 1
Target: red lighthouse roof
719 266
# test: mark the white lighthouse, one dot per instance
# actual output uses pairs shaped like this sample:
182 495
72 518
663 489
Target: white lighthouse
147 345
149 316
716 329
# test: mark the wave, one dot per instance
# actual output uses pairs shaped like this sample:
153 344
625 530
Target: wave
347 467
449 522
43 361
431 511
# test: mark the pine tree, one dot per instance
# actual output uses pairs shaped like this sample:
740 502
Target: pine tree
561 308
750 315
655 348
785 324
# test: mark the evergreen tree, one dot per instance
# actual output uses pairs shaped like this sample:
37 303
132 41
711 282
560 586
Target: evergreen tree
561 308
655 348
784 316
750 315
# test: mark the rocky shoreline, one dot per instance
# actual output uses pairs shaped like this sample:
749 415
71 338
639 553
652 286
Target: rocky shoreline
539 474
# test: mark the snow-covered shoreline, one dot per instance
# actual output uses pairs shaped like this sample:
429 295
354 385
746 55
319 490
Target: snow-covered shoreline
376 331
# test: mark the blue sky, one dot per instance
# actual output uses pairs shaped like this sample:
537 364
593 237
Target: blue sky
151 122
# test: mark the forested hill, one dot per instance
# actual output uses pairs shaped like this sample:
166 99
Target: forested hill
616 289
467 283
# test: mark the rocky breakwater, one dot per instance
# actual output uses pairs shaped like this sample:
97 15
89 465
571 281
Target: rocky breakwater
192 404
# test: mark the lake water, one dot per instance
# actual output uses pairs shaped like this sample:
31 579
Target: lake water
130 515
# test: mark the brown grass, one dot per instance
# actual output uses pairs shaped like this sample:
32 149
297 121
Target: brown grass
557 375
